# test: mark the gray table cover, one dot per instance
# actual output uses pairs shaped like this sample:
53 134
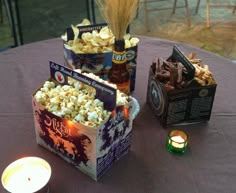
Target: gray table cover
208 166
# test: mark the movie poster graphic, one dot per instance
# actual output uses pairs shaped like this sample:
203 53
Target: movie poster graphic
114 139
92 150
72 141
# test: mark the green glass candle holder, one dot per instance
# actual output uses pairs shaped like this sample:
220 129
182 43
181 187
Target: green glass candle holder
177 142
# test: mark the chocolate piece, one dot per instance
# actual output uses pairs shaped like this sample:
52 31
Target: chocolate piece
171 74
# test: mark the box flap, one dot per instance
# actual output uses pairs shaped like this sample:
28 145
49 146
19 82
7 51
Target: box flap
177 55
83 29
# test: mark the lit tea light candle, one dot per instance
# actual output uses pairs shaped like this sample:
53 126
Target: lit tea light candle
177 141
26 175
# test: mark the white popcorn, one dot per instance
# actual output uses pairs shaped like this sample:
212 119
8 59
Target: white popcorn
66 87
77 101
46 84
58 87
49 84
105 113
65 110
40 96
98 103
82 112
62 93
73 99
58 113
87 105
81 99
55 100
92 116
70 105
78 85
79 118
44 89
52 84
73 113
53 108
100 120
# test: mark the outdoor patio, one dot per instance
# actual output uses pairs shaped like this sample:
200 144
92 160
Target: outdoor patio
48 19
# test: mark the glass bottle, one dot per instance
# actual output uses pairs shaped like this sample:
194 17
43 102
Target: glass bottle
119 73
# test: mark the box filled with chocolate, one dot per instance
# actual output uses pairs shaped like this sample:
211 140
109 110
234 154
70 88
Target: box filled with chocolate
89 48
83 119
181 89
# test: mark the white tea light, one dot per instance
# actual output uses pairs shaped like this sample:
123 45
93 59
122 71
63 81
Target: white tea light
177 141
26 175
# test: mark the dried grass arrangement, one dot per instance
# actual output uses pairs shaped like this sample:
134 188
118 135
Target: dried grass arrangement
118 14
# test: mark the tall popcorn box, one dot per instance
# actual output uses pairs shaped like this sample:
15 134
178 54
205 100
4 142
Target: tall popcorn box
90 149
97 63
185 106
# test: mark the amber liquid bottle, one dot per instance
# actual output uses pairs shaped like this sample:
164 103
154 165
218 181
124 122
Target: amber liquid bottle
119 73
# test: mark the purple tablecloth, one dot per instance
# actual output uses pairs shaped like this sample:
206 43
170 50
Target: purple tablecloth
208 166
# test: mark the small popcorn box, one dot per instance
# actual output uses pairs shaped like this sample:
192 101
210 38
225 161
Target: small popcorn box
180 92
89 48
90 147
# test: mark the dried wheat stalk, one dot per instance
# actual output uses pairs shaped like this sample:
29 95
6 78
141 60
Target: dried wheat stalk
118 14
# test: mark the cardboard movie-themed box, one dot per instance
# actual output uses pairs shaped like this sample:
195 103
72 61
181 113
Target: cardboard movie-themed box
180 89
77 118
89 48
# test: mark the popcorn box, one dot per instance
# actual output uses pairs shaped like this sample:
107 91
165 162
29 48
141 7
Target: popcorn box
91 149
189 105
97 63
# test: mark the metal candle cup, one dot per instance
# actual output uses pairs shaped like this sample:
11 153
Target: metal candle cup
28 175
177 142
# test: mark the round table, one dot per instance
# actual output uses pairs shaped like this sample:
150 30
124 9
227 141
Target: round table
208 165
